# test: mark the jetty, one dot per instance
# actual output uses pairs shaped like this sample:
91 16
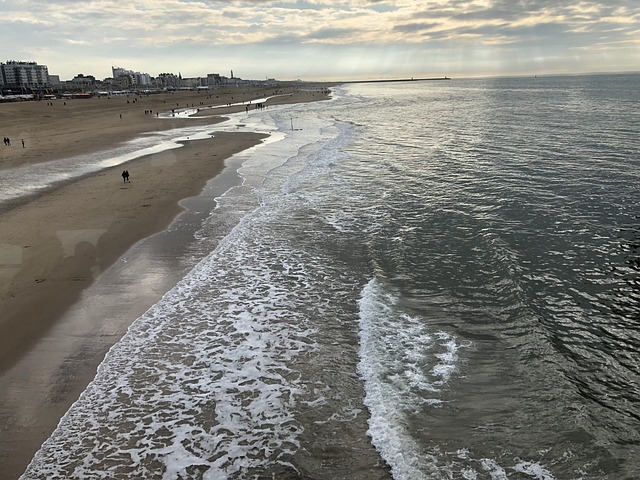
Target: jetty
387 80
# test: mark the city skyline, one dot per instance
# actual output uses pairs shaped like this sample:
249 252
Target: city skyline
322 39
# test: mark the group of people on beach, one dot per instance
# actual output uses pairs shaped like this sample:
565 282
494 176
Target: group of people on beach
125 176
7 142
257 106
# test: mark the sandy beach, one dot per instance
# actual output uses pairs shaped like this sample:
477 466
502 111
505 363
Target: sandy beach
55 246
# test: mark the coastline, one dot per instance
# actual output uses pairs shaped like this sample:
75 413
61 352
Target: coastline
56 246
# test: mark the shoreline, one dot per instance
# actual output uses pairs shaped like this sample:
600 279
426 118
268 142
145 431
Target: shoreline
54 247
64 247
66 128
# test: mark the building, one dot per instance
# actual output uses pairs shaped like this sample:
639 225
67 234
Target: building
129 78
120 72
194 82
169 81
84 80
23 76
142 78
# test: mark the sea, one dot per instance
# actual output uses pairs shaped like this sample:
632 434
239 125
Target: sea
410 280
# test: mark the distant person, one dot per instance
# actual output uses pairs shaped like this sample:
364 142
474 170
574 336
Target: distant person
22 142
125 176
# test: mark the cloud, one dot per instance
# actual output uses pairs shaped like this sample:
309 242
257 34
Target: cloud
415 27
202 31
332 34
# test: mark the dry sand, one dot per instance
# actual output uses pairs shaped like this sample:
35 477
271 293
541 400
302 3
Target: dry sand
54 246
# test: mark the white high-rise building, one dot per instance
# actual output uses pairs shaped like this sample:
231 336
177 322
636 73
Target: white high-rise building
120 72
143 78
135 78
23 75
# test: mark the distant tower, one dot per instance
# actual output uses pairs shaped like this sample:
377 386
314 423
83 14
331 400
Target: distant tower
231 73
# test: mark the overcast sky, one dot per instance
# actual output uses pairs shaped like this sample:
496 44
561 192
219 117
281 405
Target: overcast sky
323 39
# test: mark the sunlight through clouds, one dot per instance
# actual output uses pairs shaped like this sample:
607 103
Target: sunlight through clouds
204 36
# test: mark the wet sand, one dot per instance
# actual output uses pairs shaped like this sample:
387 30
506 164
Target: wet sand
57 249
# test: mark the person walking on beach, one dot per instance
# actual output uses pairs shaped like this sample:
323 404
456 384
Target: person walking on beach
125 176
22 142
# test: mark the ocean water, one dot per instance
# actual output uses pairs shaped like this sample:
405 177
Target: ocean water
422 280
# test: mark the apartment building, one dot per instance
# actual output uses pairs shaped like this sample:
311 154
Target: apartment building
23 76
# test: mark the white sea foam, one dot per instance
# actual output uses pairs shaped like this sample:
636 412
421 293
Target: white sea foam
200 381
534 470
405 367
495 471
203 384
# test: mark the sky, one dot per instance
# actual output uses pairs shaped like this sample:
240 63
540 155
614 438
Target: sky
328 40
